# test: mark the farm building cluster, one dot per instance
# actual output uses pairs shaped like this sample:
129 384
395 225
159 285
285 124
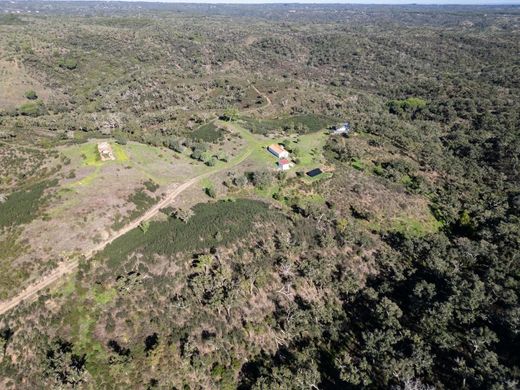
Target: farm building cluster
279 151
285 163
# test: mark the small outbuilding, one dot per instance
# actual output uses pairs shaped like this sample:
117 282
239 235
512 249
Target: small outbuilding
342 129
105 151
314 172
284 164
278 150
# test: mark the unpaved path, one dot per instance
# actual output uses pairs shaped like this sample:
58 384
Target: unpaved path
263 95
31 292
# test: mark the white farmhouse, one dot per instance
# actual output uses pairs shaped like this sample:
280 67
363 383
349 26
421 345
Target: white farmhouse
278 151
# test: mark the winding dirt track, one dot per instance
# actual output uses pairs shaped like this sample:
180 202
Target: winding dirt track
268 101
31 292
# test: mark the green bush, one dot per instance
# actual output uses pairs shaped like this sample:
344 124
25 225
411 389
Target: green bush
210 191
31 95
35 108
208 133
409 105
68 63
357 164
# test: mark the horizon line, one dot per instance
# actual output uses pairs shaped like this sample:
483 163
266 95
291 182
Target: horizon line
295 2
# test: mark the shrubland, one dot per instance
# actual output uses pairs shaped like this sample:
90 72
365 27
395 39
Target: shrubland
398 268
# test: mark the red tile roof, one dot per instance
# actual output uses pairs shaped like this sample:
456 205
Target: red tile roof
283 161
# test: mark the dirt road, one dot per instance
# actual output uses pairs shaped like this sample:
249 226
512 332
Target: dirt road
267 100
31 292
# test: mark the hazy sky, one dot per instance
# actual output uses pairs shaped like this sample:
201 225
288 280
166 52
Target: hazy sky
341 2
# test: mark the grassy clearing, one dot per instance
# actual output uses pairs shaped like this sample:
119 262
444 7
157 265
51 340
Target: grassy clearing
143 158
307 149
102 297
90 155
119 153
231 219
206 183
414 227
267 192
411 226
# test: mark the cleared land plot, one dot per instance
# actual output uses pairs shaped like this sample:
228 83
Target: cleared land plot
307 148
82 208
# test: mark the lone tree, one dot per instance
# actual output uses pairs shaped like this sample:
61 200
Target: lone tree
210 191
31 95
231 114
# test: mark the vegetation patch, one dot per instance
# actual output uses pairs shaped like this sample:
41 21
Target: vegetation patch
34 108
90 154
119 152
231 219
22 206
10 277
414 227
102 297
208 132
301 124
142 202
